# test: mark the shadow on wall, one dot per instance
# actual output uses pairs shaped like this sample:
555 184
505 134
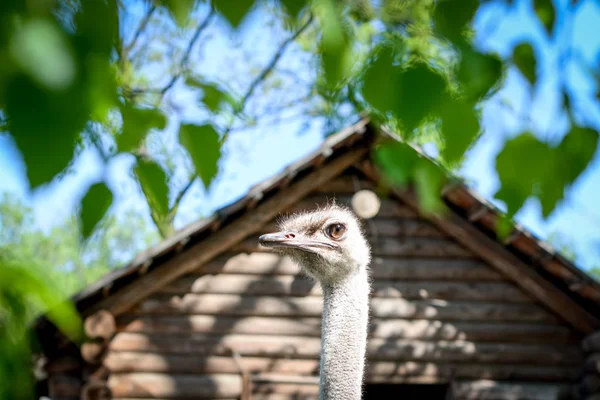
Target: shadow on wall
438 314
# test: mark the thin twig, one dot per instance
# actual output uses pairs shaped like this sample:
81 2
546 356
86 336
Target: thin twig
181 194
161 91
274 61
139 31
188 52
270 66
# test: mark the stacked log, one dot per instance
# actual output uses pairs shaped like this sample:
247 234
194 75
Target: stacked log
588 387
100 328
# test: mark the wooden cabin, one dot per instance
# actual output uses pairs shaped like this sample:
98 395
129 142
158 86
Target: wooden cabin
456 313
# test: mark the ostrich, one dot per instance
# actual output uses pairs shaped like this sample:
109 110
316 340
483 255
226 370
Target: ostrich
329 245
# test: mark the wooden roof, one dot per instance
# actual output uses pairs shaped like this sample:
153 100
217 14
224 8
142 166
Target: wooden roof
530 262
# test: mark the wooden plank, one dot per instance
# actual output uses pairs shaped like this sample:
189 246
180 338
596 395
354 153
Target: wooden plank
386 246
378 349
379 328
381 267
492 390
172 364
226 237
394 227
505 262
228 304
389 208
150 385
592 342
303 286
345 185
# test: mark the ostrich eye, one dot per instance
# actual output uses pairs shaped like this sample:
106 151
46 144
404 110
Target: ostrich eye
335 231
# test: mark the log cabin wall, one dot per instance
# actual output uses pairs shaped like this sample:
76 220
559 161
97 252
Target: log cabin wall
248 323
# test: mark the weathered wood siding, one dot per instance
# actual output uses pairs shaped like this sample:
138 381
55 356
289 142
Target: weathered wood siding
439 314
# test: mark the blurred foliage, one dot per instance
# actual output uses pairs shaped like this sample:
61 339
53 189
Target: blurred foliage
39 270
73 78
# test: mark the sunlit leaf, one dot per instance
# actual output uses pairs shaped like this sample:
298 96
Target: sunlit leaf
397 160
522 166
380 86
136 124
153 181
478 72
102 87
336 45
452 16
93 207
179 9
293 7
428 182
411 93
234 10
47 138
460 128
421 92
41 49
203 144
569 160
524 59
545 12
213 95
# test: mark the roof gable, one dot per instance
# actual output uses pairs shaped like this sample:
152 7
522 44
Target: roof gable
201 241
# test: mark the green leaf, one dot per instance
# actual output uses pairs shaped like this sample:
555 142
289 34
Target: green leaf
546 14
451 17
335 46
46 138
522 166
421 91
179 9
97 26
93 207
41 49
234 10
478 72
568 162
136 124
380 81
213 95
460 128
524 59
153 181
428 181
203 144
293 7
389 88
397 160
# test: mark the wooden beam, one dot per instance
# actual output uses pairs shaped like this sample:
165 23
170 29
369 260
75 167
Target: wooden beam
298 286
378 349
379 328
505 262
467 270
491 390
269 306
129 362
223 239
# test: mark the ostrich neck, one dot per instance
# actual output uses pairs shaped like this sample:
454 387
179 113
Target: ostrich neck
344 337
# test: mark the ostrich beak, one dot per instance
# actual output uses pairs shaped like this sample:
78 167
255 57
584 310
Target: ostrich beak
294 240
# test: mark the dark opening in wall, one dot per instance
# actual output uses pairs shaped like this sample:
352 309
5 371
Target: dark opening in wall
405 392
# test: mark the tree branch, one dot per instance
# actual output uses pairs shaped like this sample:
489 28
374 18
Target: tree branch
182 64
261 77
139 31
253 85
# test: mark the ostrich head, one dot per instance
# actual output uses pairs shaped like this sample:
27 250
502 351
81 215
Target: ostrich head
327 243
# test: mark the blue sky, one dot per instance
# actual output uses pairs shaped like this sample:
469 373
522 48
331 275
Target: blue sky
255 154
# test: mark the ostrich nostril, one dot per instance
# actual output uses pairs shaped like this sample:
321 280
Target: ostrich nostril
290 235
